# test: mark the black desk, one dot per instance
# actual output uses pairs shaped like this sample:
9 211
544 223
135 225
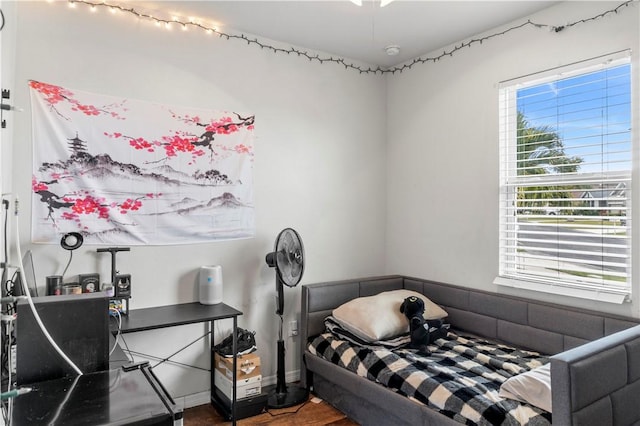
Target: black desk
114 397
174 315
182 314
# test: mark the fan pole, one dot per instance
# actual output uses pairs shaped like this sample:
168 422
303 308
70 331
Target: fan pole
284 396
281 384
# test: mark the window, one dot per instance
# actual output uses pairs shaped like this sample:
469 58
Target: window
565 180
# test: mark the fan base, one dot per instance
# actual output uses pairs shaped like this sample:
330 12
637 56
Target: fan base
294 395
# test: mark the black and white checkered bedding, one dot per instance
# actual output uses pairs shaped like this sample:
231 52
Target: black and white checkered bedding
460 379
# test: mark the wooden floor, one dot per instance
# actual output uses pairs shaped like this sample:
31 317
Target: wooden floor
312 412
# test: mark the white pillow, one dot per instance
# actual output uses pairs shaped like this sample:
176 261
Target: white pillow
378 317
532 387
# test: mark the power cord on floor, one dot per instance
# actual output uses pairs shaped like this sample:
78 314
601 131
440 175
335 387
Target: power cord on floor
288 412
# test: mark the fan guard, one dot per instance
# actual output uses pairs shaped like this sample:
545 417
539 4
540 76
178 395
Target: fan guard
288 257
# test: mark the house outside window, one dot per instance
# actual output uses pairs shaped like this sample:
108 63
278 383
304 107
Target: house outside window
565 180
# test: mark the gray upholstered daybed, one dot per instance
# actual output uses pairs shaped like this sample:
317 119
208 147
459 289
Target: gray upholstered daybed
595 362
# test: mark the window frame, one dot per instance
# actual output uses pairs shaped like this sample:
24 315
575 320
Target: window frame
508 180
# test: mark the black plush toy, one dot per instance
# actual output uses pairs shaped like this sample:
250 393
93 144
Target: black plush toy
419 328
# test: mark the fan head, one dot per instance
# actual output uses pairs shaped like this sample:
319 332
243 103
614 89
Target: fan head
288 257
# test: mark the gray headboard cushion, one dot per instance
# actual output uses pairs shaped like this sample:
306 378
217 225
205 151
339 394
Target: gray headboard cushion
492 315
471 321
539 326
329 295
493 305
615 368
613 325
529 337
378 285
445 295
576 324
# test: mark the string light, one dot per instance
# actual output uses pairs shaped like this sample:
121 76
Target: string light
347 65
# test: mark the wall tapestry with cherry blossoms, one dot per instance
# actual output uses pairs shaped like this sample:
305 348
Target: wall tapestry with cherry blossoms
124 171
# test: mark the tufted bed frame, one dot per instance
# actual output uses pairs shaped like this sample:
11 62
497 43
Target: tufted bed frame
595 367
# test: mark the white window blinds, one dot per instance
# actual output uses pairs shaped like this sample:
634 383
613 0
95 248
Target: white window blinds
565 178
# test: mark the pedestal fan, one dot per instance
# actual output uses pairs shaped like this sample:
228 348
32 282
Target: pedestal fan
288 259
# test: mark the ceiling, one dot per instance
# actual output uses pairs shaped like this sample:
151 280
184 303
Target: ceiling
341 28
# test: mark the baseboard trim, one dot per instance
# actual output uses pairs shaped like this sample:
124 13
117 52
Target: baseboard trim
196 399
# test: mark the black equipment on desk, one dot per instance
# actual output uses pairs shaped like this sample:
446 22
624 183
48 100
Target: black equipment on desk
79 324
123 285
90 283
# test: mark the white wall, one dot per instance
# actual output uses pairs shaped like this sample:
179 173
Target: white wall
443 145
319 165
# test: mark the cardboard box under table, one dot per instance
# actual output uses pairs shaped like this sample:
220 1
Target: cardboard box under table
245 388
247 366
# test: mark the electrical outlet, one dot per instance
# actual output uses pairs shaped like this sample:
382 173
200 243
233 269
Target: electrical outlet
293 328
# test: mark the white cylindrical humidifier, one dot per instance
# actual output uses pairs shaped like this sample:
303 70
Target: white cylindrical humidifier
210 285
